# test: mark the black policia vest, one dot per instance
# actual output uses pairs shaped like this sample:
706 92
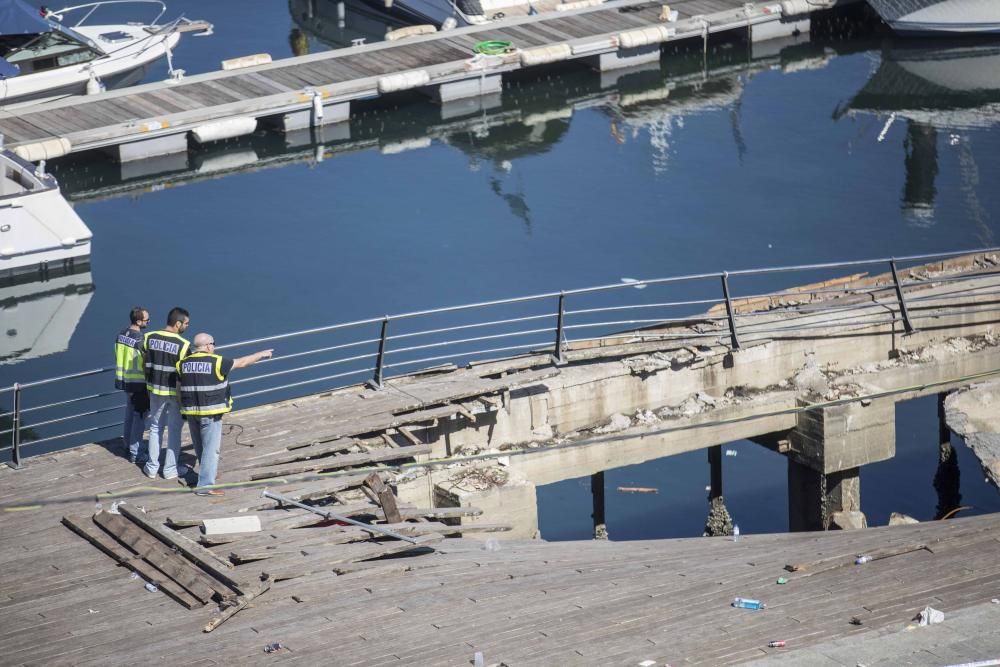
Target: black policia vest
129 373
161 351
204 385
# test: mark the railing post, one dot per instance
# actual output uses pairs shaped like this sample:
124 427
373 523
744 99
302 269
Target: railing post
376 381
729 311
557 356
907 325
15 430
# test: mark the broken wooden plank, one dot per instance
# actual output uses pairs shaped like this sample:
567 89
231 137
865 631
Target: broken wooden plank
303 453
387 439
194 581
834 562
386 499
253 591
196 553
334 462
85 528
408 434
466 412
324 562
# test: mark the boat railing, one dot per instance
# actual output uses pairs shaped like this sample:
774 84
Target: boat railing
729 308
94 6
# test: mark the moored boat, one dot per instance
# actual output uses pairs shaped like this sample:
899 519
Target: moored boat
939 16
39 231
43 54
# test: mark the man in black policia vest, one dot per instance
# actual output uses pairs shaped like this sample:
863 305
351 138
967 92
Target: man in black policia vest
130 377
161 350
205 397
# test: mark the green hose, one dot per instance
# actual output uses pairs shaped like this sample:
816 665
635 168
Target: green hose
493 47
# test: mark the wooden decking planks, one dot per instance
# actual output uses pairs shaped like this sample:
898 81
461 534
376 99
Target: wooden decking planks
225 94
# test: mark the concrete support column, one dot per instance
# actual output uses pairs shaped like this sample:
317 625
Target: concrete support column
813 497
715 472
842 437
947 477
597 492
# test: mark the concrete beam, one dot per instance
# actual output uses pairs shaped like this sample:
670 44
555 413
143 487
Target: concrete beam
841 437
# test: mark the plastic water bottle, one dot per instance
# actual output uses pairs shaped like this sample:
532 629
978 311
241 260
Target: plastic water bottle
736 533
491 545
861 560
748 603
477 659
152 587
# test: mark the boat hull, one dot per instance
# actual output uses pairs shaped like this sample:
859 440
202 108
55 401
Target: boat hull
940 16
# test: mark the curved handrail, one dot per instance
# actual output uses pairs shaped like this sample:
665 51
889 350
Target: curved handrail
57 14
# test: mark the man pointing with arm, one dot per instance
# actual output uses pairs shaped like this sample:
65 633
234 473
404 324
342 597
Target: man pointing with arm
205 397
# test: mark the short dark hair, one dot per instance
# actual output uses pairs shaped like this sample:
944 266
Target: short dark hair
136 314
176 315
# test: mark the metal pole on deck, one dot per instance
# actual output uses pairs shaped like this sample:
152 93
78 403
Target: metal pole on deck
380 361
558 354
729 311
907 325
337 517
15 429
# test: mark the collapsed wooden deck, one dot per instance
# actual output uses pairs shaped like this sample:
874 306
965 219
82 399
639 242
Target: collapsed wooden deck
167 109
64 602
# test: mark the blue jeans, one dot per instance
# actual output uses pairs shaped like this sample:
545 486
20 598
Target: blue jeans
134 426
164 414
206 434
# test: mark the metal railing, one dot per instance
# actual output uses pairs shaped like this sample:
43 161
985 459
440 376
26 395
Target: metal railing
538 324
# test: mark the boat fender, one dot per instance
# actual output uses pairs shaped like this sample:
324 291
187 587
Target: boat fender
645 36
410 31
317 107
578 4
43 150
546 54
246 61
403 81
794 7
94 85
450 23
224 129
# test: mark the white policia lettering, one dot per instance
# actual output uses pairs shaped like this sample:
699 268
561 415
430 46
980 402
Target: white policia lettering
164 346
196 367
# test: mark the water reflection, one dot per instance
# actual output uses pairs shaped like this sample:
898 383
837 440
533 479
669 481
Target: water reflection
936 88
336 24
39 318
530 118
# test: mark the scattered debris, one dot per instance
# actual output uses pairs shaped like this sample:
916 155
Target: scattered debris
618 422
780 643
781 581
638 489
731 452
236 524
748 603
152 587
929 616
899 519
856 621
273 647
861 560
491 545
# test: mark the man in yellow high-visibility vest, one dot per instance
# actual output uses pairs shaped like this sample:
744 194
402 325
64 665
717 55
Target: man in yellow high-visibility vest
130 377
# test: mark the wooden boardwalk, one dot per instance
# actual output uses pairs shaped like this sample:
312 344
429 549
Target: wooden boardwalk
593 603
165 109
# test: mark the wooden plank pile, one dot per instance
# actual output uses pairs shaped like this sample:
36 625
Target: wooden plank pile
230 569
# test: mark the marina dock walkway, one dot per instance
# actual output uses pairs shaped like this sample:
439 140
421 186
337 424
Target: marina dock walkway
633 29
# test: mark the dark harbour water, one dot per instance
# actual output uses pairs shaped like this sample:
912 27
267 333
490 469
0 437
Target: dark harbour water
772 158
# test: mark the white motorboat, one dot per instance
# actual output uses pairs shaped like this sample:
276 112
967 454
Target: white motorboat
43 54
939 16
40 233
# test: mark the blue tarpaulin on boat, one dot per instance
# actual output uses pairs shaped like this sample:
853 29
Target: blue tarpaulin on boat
7 70
19 18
